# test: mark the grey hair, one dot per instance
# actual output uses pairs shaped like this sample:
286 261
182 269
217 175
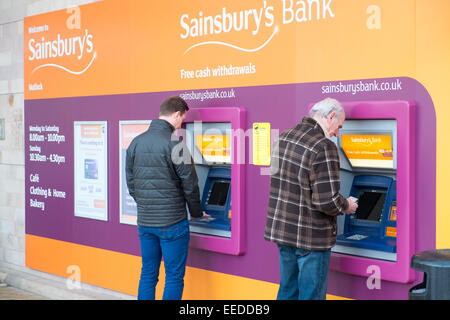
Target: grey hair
325 107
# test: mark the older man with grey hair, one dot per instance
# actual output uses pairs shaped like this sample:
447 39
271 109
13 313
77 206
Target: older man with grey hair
330 115
304 201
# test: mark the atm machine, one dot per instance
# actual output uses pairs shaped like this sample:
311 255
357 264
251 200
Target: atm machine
373 225
215 137
209 145
216 202
376 148
368 173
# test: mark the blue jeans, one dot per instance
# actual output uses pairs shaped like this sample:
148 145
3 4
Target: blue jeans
171 244
304 274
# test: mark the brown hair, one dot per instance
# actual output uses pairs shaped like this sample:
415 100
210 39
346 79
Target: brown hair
173 104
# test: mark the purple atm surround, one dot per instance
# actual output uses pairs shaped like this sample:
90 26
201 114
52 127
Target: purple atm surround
404 113
235 245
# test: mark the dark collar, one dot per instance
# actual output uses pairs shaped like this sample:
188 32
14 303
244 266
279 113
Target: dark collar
161 125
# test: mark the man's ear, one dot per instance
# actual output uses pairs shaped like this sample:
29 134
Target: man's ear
332 115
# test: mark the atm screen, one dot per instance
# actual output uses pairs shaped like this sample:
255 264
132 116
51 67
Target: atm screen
370 206
219 193
368 150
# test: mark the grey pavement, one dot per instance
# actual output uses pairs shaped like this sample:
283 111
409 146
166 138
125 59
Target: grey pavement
11 293
21 283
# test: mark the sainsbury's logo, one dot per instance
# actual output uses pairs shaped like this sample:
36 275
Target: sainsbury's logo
76 46
366 140
60 47
252 20
57 51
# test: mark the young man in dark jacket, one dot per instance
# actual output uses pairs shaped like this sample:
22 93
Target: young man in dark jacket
305 200
162 185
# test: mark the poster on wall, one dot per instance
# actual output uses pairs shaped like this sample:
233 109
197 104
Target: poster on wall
128 130
261 143
91 170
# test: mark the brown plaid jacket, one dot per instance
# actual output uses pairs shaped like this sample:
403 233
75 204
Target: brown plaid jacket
304 189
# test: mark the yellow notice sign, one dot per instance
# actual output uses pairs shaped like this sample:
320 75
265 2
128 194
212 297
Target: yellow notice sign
214 148
373 151
261 143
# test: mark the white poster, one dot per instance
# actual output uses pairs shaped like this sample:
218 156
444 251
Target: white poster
91 170
128 130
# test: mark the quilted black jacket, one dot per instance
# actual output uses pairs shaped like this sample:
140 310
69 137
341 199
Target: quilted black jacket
161 187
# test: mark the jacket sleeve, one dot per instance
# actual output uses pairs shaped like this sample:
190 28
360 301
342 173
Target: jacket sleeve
185 169
325 182
129 168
